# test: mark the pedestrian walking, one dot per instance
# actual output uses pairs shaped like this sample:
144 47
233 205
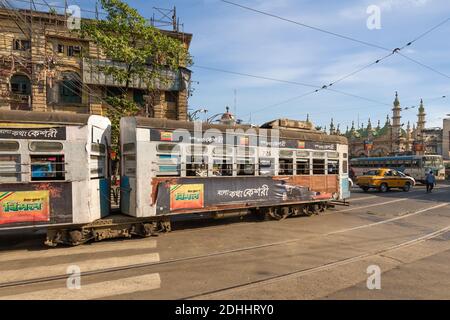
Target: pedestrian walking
430 181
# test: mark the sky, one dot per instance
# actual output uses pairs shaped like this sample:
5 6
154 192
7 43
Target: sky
230 38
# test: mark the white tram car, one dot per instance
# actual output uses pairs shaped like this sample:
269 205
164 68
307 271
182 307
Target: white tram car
53 169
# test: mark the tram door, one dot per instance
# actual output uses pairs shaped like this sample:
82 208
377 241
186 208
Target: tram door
99 184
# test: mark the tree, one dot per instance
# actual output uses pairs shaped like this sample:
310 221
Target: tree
141 51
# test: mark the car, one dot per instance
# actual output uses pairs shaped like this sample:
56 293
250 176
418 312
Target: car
350 183
384 179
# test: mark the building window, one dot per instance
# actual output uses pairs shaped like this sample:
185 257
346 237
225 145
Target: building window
138 97
70 88
73 51
47 168
171 96
21 45
20 84
60 48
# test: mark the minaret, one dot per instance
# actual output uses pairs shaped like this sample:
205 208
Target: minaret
420 124
369 129
352 130
396 124
388 121
378 126
338 131
332 127
421 117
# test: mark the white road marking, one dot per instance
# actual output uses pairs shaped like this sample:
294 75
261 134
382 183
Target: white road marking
95 290
93 249
374 205
390 220
85 266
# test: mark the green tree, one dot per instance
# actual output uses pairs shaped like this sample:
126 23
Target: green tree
143 53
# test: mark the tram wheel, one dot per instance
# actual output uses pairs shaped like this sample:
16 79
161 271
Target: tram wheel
279 213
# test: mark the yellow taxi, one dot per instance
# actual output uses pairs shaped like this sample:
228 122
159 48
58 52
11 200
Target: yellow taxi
385 179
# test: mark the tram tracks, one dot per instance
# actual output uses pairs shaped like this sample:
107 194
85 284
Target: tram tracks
214 254
307 271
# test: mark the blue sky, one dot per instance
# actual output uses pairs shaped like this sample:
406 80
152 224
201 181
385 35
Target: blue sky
228 37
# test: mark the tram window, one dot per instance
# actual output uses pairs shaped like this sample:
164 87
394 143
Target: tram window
242 151
45 146
334 155
222 167
196 166
47 168
345 167
98 148
97 167
197 149
245 167
129 147
286 167
223 151
10 168
129 165
9 146
318 154
303 154
333 167
303 167
286 153
318 166
266 167
168 148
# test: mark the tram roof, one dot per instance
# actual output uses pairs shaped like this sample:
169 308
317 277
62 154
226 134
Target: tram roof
16 116
301 134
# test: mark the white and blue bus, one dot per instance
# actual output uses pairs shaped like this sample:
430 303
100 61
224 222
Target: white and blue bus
414 166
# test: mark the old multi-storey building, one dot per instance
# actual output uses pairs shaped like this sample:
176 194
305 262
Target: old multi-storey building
446 139
44 66
393 137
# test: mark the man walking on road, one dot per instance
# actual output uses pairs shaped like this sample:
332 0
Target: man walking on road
431 181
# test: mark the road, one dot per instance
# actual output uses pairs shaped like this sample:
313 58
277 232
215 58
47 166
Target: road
405 235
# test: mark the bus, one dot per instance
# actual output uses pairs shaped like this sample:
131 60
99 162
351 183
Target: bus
413 166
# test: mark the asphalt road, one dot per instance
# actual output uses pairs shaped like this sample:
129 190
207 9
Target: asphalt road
405 235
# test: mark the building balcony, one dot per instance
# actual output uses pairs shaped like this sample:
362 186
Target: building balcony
170 80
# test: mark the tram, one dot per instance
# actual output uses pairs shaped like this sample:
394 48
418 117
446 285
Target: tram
174 167
55 173
53 169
